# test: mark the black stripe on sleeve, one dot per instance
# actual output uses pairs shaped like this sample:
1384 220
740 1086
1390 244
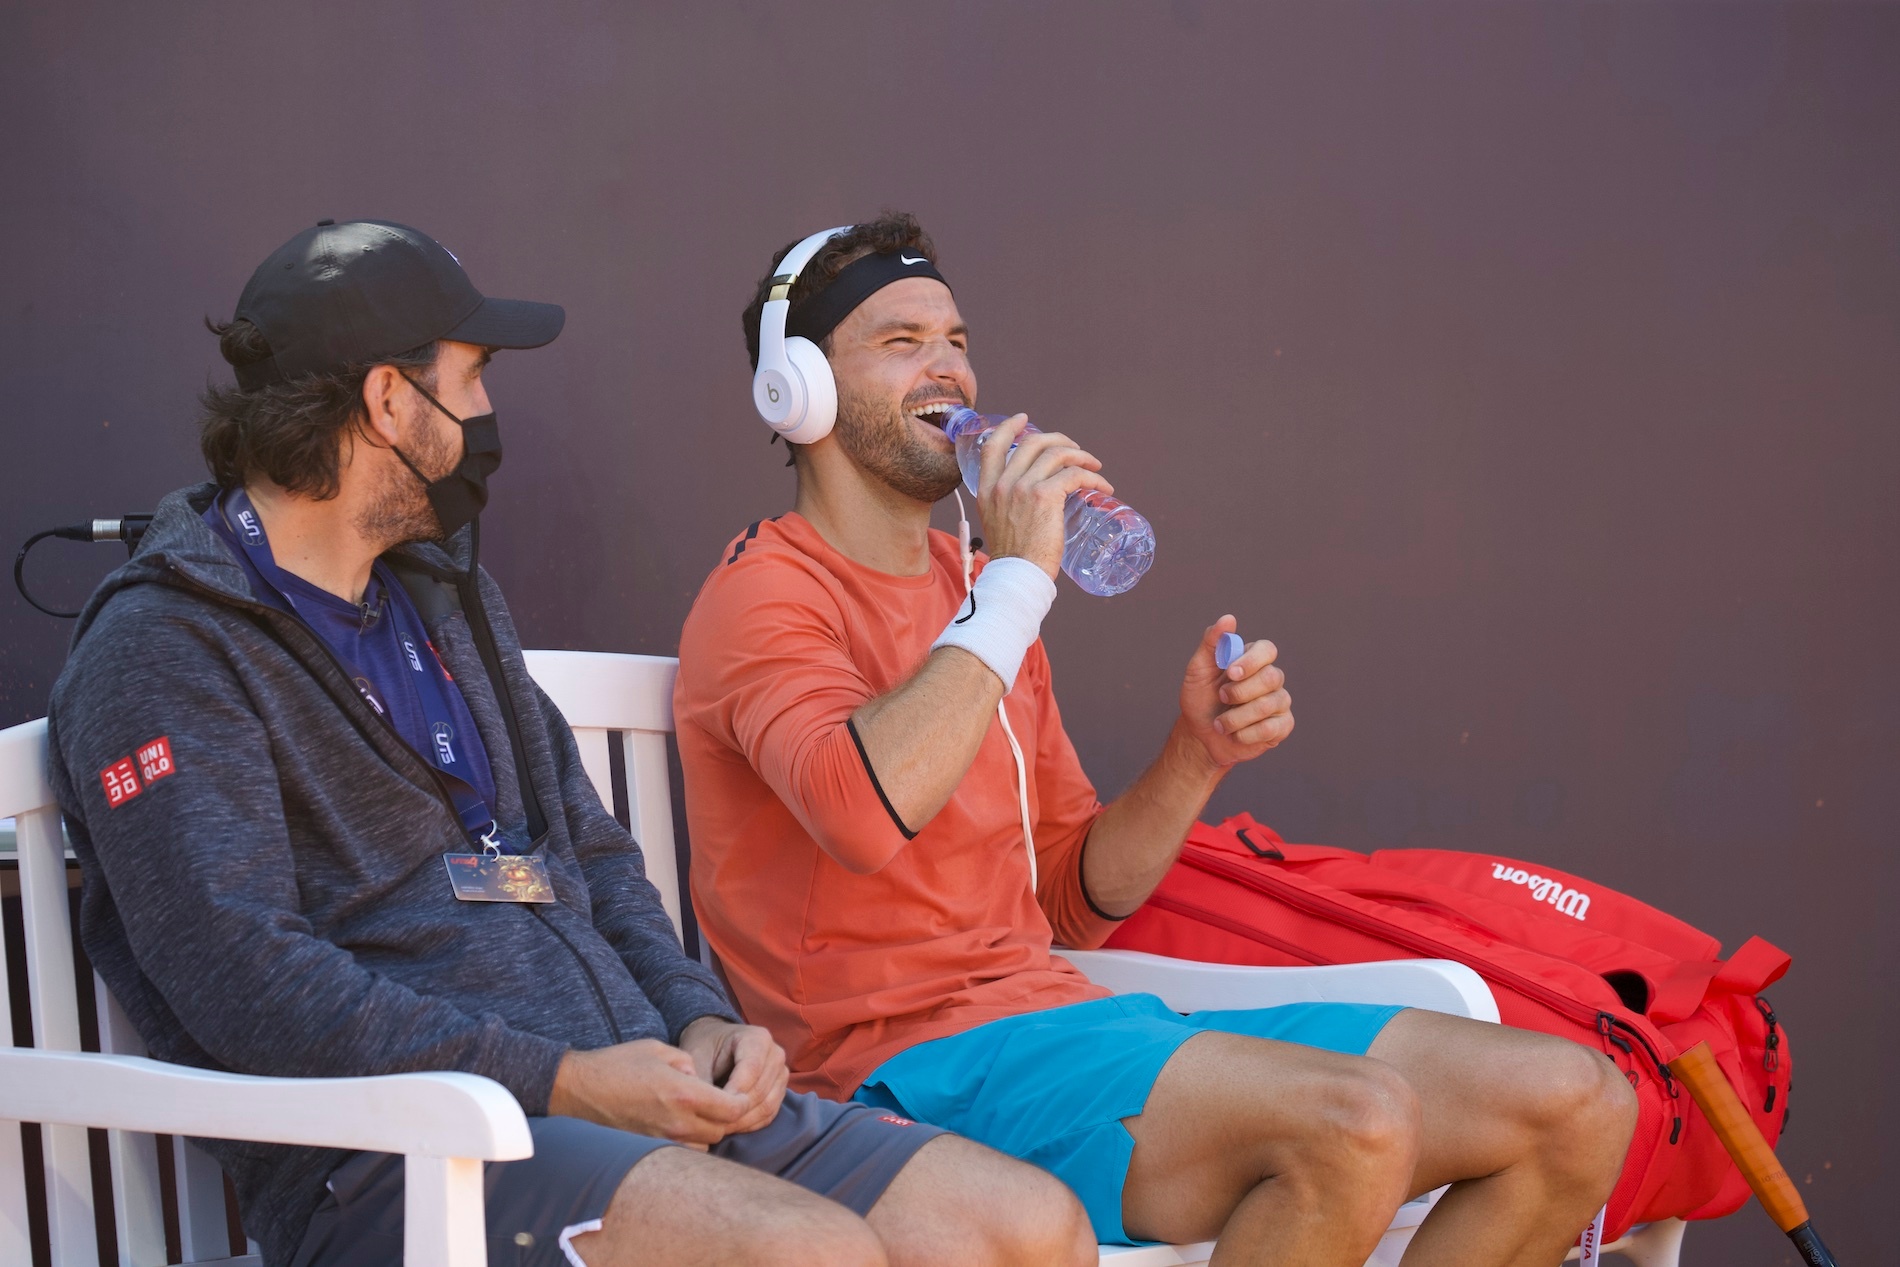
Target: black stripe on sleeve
1082 883
739 548
890 809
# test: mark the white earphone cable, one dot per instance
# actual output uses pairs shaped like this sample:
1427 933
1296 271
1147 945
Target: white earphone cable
1002 714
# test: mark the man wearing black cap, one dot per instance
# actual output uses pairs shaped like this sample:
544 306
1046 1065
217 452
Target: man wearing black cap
329 826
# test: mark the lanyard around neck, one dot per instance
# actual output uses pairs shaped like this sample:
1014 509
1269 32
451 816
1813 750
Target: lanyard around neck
431 678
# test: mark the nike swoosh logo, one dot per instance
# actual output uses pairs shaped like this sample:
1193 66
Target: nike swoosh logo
908 260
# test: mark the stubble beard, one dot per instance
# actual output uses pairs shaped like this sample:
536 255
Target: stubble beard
879 439
400 512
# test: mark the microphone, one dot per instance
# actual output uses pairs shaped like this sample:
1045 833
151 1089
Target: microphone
126 528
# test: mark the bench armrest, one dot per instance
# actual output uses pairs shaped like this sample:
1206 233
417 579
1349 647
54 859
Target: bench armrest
415 1114
1438 985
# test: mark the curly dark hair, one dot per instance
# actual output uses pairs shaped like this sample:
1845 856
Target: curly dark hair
291 433
891 231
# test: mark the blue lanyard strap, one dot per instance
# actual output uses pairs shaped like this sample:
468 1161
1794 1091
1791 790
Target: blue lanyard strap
431 679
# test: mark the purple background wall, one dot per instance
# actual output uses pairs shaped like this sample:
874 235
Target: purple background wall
1530 373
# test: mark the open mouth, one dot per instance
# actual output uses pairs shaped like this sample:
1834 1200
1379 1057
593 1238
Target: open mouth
935 415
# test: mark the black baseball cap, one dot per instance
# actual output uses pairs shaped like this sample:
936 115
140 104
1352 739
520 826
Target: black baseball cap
341 294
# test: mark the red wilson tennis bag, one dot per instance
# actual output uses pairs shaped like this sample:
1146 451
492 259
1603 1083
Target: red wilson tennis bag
1560 954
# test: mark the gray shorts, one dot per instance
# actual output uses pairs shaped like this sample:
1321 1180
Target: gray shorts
847 1152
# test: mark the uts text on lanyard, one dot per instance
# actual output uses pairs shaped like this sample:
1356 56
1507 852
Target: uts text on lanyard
494 876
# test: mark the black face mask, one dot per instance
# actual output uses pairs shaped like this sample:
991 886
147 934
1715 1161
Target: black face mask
460 495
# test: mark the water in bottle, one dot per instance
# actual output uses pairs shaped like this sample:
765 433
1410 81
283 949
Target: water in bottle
1107 545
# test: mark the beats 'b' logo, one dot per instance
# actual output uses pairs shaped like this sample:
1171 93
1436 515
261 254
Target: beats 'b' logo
771 392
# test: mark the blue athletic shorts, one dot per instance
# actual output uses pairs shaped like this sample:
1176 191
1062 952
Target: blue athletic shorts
1053 1087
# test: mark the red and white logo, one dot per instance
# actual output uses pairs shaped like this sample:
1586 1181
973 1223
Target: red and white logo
155 759
1543 889
120 781
895 1120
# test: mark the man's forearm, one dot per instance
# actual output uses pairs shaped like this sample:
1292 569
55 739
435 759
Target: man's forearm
1138 837
921 737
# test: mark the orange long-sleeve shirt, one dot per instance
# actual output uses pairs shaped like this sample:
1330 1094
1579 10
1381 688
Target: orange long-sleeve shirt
846 937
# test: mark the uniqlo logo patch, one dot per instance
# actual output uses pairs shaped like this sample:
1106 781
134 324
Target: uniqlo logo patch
120 781
155 759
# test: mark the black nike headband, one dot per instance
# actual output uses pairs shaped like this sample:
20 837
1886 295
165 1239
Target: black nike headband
819 315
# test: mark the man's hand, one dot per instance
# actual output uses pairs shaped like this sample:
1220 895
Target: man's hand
648 1088
1240 713
744 1060
1020 495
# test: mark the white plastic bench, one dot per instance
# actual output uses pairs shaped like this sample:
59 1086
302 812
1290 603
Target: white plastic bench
625 702
445 1124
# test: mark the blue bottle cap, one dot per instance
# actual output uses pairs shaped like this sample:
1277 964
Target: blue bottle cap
1228 650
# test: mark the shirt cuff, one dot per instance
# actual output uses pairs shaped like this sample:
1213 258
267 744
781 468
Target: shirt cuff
526 1064
684 997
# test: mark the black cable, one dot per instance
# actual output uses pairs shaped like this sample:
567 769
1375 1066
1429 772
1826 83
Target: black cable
126 528
19 570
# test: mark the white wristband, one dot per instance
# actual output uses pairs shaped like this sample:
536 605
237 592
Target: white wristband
1002 617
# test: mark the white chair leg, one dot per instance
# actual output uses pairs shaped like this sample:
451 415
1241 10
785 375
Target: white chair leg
203 1224
1391 1247
75 1241
1657 1245
442 1223
15 1244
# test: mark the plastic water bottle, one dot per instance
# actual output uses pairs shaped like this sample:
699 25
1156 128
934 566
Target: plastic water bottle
1107 545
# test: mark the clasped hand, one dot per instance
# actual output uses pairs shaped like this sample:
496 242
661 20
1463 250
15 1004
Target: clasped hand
723 1079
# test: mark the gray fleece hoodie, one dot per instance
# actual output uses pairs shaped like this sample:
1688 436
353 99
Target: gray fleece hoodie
276 902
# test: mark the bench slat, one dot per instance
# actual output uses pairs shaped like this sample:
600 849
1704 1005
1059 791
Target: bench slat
137 1194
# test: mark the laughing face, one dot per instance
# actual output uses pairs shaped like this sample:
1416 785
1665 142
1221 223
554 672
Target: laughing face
902 364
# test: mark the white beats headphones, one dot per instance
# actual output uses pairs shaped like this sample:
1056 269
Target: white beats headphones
793 389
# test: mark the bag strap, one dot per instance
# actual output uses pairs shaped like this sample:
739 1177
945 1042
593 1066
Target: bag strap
1753 968
436 593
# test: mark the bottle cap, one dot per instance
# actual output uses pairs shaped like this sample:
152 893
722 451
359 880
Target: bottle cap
1228 650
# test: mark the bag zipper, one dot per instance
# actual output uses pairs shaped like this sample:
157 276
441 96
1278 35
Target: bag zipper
1603 1022
1163 902
1770 1053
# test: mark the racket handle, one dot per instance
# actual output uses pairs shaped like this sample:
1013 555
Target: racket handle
1697 1070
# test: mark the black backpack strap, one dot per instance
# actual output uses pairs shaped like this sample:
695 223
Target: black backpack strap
437 593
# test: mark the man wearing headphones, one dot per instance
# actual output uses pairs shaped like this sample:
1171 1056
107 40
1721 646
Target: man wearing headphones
882 858
329 826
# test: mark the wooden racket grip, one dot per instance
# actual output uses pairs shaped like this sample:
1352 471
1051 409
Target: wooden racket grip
1697 1070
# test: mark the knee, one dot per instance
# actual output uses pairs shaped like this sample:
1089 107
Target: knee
1583 1110
1042 1223
845 1241
1367 1123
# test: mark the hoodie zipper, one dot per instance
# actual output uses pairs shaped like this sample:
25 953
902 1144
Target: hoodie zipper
271 613
587 969
1605 1023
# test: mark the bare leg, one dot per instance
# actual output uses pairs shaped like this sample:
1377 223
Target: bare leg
960 1204
681 1208
1530 1131
1288 1154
